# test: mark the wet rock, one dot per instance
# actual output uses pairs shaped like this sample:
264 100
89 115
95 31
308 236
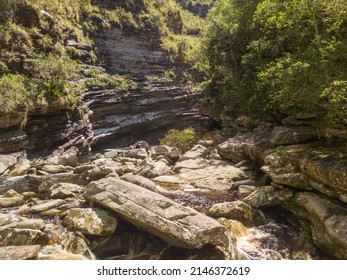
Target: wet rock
11 199
207 252
21 237
283 135
29 252
150 169
328 222
90 221
79 245
6 219
304 248
198 151
130 243
237 210
245 189
47 205
236 228
57 253
269 196
24 232
176 224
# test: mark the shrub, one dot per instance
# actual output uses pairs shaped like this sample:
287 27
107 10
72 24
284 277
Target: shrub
182 139
54 80
13 92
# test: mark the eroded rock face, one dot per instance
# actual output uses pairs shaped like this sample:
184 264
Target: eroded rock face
176 224
153 105
328 222
283 135
44 129
297 173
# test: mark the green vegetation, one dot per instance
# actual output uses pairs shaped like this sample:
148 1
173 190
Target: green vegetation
274 58
51 81
13 92
97 78
44 67
182 139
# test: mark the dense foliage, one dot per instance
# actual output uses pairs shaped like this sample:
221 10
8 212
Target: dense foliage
182 139
35 36
273 58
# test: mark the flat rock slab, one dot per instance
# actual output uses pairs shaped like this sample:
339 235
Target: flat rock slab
214 175
19 252
178 225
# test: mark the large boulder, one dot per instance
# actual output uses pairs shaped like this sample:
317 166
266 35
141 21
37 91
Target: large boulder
269 196
328 222
23 232
198 151
233 149
283 135
167 151
150 169
237 210
327 166
11 199
176 224
90 221
209 174
28 252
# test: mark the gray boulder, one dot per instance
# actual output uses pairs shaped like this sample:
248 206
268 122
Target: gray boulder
237 210
328 222
198 151
180 226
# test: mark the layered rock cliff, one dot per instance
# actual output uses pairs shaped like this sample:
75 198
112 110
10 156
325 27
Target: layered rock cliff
158 102
154 105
